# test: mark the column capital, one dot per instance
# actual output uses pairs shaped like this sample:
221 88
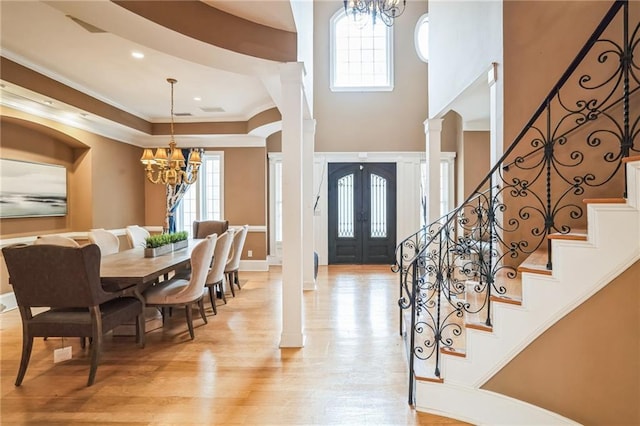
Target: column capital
432 125
292 72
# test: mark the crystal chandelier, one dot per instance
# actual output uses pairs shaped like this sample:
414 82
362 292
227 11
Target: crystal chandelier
167 166
386 10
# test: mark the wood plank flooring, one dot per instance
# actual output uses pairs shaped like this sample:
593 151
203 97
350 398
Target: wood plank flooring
352 369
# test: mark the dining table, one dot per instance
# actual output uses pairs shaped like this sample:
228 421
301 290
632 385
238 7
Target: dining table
129 268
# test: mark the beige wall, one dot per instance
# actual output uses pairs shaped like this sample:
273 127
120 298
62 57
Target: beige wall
104 189
371 121
476 160
587 366
538 58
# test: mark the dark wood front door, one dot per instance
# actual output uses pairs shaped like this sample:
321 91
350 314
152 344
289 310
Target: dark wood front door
362 213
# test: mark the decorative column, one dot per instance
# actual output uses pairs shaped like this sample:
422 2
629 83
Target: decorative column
433 131
292 250
308 143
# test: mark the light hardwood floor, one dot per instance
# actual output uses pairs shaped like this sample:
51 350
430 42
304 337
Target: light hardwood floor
352 369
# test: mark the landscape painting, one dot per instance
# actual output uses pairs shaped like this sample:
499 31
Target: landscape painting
32 189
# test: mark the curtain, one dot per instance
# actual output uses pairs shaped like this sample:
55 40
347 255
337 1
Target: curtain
175 193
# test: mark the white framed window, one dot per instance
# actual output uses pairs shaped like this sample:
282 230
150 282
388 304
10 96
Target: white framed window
204 199
275 206
447 162
422 38
361 55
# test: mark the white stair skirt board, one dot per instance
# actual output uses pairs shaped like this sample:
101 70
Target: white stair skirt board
482 407
580 270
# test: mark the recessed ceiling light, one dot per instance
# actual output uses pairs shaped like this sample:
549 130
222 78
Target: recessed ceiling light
48 102
197 98
137 55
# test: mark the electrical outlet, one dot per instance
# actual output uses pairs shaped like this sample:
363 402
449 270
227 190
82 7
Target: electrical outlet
62 354
250 253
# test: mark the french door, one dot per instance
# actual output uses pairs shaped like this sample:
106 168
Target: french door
362 213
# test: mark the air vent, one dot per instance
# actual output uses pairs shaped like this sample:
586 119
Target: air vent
87 26
182 114
212 109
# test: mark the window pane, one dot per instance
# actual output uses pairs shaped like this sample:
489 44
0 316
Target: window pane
189 209
378 206
278 201
360 55
203 199
345 207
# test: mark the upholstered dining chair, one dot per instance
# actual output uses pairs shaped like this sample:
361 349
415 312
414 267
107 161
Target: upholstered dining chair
66 279
216 276
136 235
178 292
233 264
56 240
108 242
203 228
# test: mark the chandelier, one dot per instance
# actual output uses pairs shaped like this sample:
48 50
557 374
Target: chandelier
167 166
386 10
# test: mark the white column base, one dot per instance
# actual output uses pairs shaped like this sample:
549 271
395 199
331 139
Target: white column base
292 340
309 285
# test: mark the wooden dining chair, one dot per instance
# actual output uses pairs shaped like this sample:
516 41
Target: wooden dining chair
67 280
179 292
216 277
233 264
108 242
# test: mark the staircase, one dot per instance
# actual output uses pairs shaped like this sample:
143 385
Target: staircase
581 268
555 220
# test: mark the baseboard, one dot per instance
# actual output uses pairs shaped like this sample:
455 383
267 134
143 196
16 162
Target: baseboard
254 265
8 301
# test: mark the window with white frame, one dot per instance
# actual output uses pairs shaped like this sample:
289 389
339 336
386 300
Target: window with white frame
361 55
203 199
275 207
446 185
422 38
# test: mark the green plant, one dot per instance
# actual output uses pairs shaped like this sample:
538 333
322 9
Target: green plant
179 236
159 240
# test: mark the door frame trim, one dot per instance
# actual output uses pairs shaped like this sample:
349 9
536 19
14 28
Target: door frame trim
407 191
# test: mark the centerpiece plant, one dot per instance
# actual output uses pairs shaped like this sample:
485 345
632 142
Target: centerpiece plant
160 244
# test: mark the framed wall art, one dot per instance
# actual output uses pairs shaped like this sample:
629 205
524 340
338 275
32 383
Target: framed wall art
32 189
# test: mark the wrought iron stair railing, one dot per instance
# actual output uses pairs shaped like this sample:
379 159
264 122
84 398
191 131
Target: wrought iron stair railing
572 148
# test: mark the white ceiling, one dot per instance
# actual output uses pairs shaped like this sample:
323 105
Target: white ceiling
40 36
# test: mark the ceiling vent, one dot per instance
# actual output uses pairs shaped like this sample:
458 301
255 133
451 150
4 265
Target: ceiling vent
212 109
183 114
87 26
